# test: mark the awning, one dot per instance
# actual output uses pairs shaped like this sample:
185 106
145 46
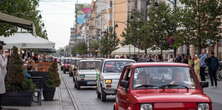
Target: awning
26 24
126 50
26 40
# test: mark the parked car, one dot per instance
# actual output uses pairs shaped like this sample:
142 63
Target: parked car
160 86
73 66
109 76
87 72
66 62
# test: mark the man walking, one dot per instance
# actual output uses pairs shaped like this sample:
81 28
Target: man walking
213 65
203 57
3 71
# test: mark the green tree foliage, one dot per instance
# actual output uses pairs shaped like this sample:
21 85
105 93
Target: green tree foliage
109 42
80 48
94 46
26 9
53 78
201 21
15 80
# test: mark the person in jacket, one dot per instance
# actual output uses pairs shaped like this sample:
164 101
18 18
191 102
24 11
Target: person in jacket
213 65
203 56
3 72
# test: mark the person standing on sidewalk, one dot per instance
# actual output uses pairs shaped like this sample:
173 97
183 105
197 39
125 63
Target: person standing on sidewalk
213 65
3 72
197 67
203 65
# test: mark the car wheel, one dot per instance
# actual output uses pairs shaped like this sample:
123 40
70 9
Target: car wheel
77 85
98 94
103 96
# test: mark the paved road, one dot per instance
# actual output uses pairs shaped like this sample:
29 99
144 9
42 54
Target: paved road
216 96
86 97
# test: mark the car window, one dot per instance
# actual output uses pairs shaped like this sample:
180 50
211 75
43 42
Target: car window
115 66
155 77
86 65
127 74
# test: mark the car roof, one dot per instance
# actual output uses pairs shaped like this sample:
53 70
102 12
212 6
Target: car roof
118 60
158 64
90 60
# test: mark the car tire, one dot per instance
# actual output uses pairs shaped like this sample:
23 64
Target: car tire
77 85
103 96
98 94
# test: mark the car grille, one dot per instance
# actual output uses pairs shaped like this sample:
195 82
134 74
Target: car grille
175 106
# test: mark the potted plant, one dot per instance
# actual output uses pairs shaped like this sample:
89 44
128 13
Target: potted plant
51 82
19 90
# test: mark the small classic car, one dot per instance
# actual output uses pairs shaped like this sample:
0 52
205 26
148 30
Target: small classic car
87 72
160 86
109 76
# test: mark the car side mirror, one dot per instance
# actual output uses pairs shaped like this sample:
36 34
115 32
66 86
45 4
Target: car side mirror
124 84
204 84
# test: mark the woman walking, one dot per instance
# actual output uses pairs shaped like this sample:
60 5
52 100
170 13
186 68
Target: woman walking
197 67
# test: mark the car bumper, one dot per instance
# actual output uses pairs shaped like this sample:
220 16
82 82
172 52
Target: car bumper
87 82
109 91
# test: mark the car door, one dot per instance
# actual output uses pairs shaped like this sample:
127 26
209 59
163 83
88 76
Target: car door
122 93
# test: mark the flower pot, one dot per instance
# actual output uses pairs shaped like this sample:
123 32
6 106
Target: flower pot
48 93
17 99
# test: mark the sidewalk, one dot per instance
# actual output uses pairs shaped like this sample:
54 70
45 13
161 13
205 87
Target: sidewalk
62 102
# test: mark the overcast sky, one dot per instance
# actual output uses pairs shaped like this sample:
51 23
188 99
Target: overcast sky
58 16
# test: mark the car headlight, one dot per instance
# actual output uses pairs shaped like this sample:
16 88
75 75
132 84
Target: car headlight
203 106
146 107
108 81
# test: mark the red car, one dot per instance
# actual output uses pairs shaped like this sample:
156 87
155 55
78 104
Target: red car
160 86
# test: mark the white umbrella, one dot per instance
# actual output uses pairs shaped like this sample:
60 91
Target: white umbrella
26 40
127 49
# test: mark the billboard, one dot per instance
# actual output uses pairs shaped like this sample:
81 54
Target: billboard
82 13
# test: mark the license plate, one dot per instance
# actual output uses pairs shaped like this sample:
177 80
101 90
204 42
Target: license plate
91 82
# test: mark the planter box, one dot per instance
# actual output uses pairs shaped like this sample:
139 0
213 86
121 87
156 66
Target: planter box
48 93
17 99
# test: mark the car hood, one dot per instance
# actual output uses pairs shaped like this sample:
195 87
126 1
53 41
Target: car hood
175 95
88 71
113 76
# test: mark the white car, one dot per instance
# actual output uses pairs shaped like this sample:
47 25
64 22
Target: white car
87 73
109 76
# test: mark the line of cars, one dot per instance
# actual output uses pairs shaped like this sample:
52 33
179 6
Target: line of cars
143 86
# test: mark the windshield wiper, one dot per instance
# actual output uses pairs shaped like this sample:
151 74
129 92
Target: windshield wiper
173 85
146 86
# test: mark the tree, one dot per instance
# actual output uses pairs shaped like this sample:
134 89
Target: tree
15 80
203 28
80 48
109 42
94 46
161 25
26 9
136 32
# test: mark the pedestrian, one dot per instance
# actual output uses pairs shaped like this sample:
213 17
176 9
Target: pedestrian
190 61
197 66
178 58
3 72
203 56
213 65
171 59
184 59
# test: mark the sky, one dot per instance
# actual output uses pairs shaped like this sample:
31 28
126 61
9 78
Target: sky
58 17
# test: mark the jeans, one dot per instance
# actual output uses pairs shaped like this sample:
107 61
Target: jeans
213 77
202 73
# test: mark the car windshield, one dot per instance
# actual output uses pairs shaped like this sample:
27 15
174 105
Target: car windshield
163 77
88 65
115 66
